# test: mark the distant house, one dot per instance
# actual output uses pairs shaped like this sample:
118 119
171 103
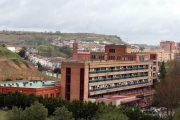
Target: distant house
12 48
17 49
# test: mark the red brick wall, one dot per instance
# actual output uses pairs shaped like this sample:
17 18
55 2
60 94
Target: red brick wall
75 81
36 91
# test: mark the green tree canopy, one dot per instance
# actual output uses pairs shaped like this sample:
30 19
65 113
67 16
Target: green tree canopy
142 48
162 71
36 112
57 70
14 114
61 113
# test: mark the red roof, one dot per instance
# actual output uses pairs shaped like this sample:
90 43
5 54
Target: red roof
130 100
9 46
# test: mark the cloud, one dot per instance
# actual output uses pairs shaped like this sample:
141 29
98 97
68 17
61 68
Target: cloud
138 20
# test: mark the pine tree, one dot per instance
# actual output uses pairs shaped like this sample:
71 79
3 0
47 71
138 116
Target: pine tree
162 71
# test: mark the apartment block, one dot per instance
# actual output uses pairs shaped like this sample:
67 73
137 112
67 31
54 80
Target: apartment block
167 45
116 71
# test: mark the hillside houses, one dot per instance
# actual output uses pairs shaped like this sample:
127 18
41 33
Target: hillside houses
97 46
48 63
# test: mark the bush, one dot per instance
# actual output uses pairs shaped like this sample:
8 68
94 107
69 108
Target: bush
57 70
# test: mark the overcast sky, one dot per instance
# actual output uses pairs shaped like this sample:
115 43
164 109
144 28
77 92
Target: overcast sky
135 21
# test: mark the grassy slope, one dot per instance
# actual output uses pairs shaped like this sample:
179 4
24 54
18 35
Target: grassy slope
13 66
30 38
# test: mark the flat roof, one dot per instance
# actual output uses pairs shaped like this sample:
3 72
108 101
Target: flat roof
29 83
118 46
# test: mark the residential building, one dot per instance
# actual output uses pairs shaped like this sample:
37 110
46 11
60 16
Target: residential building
10 47
116 71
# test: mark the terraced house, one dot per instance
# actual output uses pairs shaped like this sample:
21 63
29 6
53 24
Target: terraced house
116 71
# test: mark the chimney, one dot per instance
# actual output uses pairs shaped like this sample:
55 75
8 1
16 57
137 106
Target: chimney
43 83
30 84
4 84
24 84
17 85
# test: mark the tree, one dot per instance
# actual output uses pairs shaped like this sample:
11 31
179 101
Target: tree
177 114
142 48
22 53
162 71
36 112
57 70
24 48
61 113
76 107
39 66
9 99
31 99
167 92
14 114
2 99
113 115
17 99
51 104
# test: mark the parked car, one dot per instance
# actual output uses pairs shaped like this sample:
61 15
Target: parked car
151 111
155 109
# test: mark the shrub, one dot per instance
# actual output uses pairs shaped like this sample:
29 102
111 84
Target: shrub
57 70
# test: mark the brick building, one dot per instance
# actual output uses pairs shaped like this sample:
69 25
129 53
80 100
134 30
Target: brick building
116 71
79 56
38 87
167 45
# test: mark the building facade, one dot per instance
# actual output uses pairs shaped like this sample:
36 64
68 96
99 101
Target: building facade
116 71
38 87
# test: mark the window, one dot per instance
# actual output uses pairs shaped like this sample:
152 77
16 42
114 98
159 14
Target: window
52 94
92 56
57 95
112 50
103 57
46 95
111 57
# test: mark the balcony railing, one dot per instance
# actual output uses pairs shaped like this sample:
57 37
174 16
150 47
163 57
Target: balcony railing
117 78
118 70
118 86
154 63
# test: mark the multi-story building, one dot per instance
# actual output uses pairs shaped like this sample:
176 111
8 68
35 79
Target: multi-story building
167 45
116 71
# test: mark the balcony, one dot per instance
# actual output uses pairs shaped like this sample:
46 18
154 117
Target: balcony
117 78
118 86
119 70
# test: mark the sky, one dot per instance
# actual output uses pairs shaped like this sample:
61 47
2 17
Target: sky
135 21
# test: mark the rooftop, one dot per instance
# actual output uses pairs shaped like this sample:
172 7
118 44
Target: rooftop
29 83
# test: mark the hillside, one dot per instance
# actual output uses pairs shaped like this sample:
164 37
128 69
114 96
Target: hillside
25 38
14 67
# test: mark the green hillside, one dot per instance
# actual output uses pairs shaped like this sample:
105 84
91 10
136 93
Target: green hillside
25 38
